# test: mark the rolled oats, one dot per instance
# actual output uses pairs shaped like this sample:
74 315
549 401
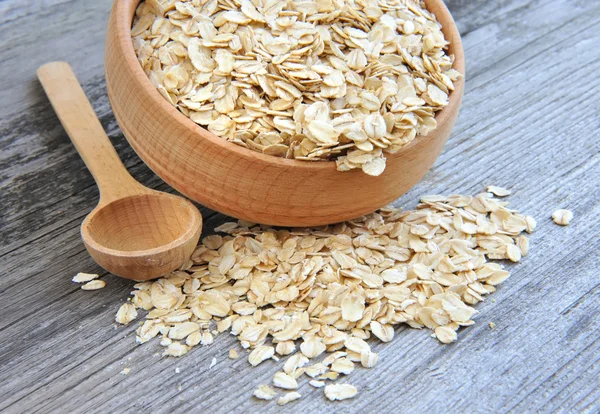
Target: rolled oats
294 362
497 191
182 330
312 346
343 366
330 289
382 331
316 370
264 392
176 349
368 359
340 391
260 354
562 217
283 380
194 339
285 348
126 314
288 397
93 285
84 277
445 334
342 80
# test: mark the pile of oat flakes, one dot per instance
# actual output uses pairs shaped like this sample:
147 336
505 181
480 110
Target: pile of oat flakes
343 80
308 292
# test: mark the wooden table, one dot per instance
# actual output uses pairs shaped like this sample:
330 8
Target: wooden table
530 122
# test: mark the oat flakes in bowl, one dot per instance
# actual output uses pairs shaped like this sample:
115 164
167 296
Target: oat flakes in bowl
249 184
339 80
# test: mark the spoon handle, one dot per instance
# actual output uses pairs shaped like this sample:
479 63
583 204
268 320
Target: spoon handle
87 134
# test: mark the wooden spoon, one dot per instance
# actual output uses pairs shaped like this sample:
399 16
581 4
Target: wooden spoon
134 232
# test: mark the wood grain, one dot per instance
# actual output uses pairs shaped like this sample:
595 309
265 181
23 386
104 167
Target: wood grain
251 185
134 232
529 121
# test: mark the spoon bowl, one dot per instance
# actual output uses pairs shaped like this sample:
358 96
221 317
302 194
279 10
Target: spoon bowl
143 234
134 232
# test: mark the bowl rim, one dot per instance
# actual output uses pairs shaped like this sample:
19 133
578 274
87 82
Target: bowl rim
123 22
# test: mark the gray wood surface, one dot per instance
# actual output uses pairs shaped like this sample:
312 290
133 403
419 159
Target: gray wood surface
529 121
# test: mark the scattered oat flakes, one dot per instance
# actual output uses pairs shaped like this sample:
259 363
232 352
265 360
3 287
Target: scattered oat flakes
126 313
283 380
342 80
353 307
181 330
497 191
382 331
288 397
333 357
315 370
340 391
207 338
425 267
213 362
194 339
492 325
562 217
445 334
94 285
260 354
531 224
368 359
312 346
176 349
355 344
343 366
125 371
513 252
84 277
329 376
233 354
294 362
264 392
285 348
523 244
316 383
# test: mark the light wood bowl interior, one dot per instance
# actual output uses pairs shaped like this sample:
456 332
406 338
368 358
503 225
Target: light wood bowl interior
246 184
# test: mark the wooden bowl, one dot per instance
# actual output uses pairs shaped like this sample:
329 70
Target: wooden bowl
246 184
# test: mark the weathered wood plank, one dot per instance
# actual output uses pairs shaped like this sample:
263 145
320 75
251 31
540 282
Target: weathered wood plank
529 121
35 32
